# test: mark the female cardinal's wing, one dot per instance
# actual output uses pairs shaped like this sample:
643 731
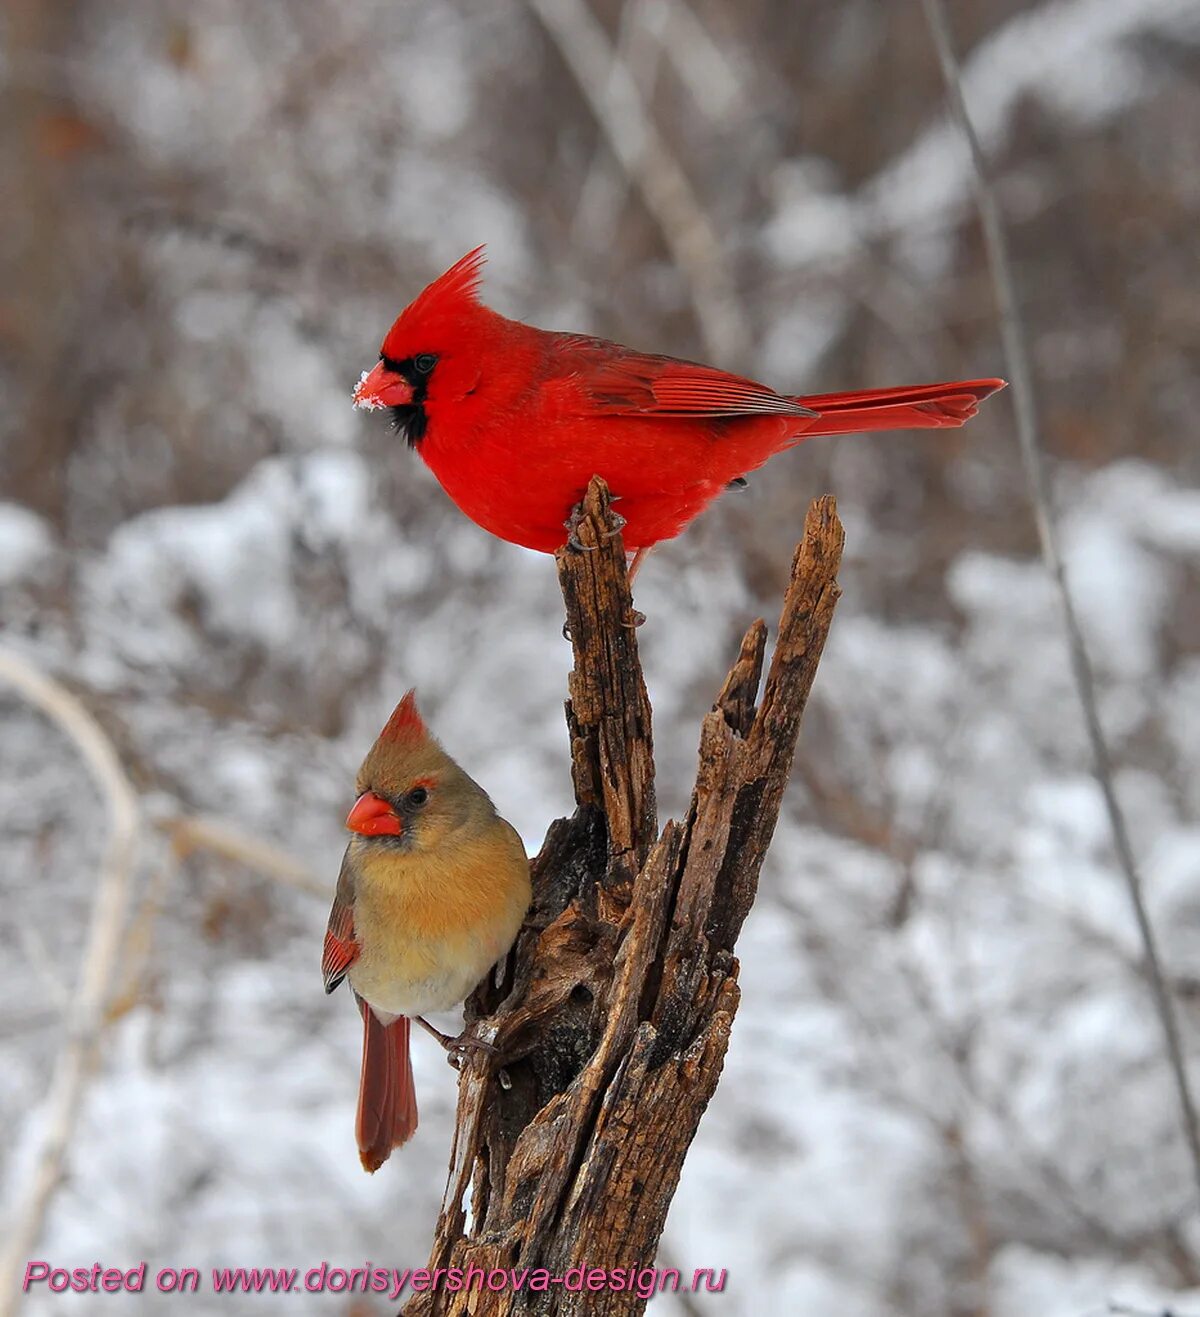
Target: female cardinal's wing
609 380
341 946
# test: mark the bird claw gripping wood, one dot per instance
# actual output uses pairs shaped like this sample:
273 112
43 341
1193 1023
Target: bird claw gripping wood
578 517
457 1049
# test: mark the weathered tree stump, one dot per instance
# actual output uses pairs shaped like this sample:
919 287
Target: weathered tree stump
611 1017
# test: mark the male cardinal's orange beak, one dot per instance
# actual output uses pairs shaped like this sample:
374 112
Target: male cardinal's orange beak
373 817
382 388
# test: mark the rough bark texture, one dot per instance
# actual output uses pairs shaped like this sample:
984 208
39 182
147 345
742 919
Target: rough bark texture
612 1015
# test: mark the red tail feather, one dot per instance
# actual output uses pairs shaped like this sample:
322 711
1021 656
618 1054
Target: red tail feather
387 1098
917 407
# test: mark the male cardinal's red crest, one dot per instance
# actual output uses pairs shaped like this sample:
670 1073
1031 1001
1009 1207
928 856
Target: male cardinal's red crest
514 421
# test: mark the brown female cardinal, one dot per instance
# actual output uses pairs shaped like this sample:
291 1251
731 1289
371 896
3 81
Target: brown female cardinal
514 421
432 891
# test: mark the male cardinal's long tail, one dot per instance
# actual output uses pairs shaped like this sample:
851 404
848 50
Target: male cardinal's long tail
387 1098
918 407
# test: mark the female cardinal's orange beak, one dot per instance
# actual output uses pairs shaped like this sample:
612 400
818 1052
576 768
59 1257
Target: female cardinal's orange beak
372 816
382 388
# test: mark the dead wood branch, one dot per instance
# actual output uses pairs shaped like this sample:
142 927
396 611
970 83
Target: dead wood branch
613 1014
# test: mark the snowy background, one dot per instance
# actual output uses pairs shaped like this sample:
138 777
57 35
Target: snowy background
946 1095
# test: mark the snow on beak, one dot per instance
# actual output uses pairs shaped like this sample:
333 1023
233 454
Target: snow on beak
380 388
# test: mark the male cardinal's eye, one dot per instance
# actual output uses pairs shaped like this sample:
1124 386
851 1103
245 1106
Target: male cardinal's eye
418 796
425 362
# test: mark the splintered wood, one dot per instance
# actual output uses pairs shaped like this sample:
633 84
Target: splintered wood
612 1015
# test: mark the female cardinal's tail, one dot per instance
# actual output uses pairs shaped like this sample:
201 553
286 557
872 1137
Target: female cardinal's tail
918 407
387 1099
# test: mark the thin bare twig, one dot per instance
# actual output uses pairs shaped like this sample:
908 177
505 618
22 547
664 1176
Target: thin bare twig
85 1015
86 1010
190 832
1016 352
602 196
705 67
42 964
612 93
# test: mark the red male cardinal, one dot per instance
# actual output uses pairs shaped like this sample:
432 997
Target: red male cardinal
433 888
514 421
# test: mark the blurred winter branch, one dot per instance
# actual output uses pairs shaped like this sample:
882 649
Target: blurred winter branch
1016 352
85 1015
610 89
650 32
639 51
86 1009
192 832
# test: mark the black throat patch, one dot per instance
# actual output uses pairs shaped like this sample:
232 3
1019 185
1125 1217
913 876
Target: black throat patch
410 419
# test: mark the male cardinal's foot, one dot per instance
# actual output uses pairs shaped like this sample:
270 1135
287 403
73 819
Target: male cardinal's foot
576 519
456 1048
636 561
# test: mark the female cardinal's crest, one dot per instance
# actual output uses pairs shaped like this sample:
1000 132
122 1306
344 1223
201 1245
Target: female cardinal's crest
452 291
405 727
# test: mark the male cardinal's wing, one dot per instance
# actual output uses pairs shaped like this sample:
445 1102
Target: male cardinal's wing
609 380
341 946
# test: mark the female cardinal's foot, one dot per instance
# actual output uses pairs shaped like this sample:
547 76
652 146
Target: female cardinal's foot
575 520
456 1048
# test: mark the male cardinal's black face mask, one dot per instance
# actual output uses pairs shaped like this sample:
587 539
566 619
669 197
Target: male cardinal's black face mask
401 386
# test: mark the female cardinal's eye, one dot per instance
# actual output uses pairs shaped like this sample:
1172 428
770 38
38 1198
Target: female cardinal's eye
417 797
425 362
